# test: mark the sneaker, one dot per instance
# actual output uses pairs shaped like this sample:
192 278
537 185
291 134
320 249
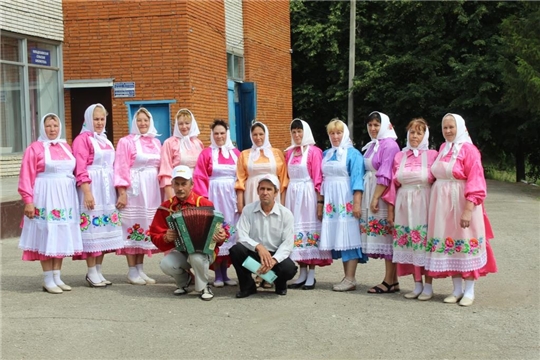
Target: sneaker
207 294
345 285
219 284
179 292
230 282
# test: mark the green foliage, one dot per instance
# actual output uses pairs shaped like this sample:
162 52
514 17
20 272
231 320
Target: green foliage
423 59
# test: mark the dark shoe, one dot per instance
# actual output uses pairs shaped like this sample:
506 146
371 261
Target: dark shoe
296 285
281 291
390 289
245 293
310 287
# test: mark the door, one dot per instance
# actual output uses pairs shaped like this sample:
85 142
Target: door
245 111
160 113
82 98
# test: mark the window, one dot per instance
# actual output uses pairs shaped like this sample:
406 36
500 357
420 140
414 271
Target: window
30 88
235 67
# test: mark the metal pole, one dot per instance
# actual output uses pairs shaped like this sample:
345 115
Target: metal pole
352 47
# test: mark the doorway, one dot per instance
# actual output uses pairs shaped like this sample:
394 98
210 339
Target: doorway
81 99
161 113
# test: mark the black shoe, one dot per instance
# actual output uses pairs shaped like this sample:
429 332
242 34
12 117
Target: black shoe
281 291
296 285
245 293
310 287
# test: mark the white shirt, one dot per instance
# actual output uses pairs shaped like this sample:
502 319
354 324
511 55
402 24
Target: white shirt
274 231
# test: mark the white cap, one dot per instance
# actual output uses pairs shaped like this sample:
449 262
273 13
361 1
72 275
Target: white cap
182 171
272 178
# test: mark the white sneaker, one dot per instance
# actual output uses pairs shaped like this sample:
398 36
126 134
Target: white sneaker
219 284
231 282
179 291
207 294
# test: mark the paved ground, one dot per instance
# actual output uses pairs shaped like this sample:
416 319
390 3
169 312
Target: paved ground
148 322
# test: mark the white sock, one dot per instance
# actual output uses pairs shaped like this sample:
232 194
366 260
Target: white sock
56 277
100 275
133 273
469 289
458 286
428 289
303 275
418 287
310 277
93 275
48 279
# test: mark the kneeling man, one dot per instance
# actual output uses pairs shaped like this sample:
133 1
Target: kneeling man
266 233
175 263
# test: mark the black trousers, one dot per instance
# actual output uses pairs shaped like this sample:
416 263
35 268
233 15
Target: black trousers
284 270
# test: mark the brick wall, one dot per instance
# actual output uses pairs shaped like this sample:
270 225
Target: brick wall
160 45
268 64
177 50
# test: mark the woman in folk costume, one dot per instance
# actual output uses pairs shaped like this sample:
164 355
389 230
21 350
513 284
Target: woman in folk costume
408 205
342 187
135 178
214 178
377 241
261 159
50 230
304 161
458 229
94 172
183 148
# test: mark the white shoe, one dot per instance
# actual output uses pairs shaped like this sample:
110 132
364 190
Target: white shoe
179 292
345 285
52 289
466 301
219 284
207 294
230 282
411 295
425 297
452 299
64 287
146 278
137 281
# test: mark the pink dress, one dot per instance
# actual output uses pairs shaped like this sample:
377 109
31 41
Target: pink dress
136 168
101 227
409 194
46 180
305 178
171 157
214 178
452 250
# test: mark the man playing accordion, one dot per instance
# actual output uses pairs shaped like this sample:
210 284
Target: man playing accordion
177 263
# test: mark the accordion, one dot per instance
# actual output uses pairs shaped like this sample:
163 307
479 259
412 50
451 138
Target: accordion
195 227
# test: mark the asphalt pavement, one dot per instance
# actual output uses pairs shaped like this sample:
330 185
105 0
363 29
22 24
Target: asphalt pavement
126 321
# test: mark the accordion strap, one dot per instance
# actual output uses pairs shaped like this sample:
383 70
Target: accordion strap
171 210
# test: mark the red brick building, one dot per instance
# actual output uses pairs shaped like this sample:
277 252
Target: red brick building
227 60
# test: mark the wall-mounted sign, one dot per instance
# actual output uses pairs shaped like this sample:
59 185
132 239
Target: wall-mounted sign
40 57
124 89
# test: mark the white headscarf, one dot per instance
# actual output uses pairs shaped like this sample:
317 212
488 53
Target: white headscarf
307 138
343 145
134 129
386 131
226 149
255 153
43 136
424 144
88 125
462 136
185 141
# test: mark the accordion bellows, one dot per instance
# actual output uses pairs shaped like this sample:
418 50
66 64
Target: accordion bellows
195 228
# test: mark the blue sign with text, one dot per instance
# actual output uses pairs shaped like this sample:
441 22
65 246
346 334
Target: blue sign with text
40 57
124 89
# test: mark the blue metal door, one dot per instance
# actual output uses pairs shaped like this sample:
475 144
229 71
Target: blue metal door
161 114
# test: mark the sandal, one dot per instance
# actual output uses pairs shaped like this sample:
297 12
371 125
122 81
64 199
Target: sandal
389 288
266 285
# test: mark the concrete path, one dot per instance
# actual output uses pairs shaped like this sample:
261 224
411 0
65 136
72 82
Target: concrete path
147 322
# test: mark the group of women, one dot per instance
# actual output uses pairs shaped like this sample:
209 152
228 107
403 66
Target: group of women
94 200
